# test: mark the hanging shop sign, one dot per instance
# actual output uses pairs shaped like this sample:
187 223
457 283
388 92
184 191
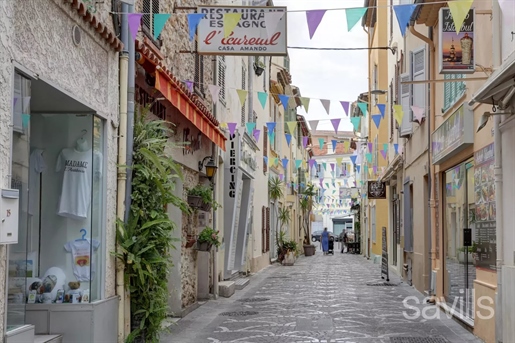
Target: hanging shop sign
456 50
250 36
484 216
455 134
376 190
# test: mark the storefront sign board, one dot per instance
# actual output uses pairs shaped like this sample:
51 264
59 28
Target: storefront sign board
455 134
456 50
250 36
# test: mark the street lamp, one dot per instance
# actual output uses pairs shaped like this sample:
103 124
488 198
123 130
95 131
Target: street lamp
485 116
211 167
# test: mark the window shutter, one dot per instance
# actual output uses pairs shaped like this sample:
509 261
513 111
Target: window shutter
221 79
243 86
406 125
151 7
265 148
408 230
199 73
263 229
267 238
419 74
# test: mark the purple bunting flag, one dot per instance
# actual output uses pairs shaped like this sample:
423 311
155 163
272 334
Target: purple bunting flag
314 18
232 128
336 123
256 134
345 105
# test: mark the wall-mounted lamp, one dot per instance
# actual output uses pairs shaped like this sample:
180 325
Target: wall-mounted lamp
211 167
378 92
484 118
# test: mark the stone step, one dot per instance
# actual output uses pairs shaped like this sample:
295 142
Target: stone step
226 288
242 283
48 339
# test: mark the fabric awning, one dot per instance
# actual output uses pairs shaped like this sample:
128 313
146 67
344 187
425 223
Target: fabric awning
498 84
180 101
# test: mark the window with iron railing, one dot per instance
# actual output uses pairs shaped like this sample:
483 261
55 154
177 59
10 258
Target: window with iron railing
150 7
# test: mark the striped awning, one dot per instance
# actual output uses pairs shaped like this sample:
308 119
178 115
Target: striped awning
181 101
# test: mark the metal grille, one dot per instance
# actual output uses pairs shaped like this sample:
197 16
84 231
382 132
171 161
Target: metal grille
418 340
239 313
387 284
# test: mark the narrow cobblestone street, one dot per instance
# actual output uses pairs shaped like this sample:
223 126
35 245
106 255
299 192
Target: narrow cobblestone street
319 299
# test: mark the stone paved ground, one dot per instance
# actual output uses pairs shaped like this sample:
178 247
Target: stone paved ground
319 299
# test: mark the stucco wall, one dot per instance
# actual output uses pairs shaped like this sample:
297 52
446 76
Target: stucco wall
37 35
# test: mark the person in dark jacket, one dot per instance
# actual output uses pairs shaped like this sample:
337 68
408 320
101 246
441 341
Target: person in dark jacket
344 239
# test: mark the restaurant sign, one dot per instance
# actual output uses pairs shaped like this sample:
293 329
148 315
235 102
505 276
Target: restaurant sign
455 134
456 50
250 36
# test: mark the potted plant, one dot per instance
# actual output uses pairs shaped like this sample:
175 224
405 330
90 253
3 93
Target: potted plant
289 250
201 197
207 238
259 67
306 206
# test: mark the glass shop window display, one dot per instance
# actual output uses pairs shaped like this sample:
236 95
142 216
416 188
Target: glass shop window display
62 221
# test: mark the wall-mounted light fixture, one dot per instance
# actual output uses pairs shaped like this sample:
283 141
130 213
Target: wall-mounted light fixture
211 167
484 118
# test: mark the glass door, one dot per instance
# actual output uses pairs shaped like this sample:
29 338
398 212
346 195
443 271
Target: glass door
21 264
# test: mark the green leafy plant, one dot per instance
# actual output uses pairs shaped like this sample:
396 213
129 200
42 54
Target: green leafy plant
306 206
276 192
210 236
145 241
206 194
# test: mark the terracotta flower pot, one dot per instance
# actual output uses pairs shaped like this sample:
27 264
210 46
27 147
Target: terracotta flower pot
309 250
204 246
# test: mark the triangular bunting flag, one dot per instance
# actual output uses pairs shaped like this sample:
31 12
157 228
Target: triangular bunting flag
232 128
265 158
305 103
363 106
262 97
285 162
305 142
327 104
383 153
369 157
418 112
398 113
459 10
314 18
193 21
321 143
355 122
381 108
353 16
353 158
313 124
159 23
231 20
334 142
298 163
242 95
134 21
256 134
284 100
270 126
215 92
396 147
377 119
250 127
189 85
292 125
403 14
345 105
272 20
271 137
25 104
336 123
288 138
370 147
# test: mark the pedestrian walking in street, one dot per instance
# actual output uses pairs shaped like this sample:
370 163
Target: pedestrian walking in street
325 241
344 239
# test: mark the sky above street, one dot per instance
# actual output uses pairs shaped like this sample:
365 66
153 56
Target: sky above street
333 75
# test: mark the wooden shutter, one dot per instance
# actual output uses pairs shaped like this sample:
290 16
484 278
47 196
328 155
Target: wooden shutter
221 79
151 7
406 125
408 226
267 238
198 86
243 86
265 148
419 74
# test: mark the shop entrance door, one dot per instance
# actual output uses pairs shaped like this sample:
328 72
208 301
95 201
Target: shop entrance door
459 215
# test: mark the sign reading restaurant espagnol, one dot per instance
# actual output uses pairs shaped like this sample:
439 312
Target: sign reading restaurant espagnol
249 37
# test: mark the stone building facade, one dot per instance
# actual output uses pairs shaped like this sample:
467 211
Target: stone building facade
66 56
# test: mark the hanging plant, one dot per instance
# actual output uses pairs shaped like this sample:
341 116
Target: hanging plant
146 240
201 197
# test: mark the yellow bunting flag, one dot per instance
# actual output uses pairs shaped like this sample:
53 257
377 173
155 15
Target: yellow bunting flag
223 125
339 160
230 22
305 103
346 145
398 113
242 94
459 10
304 163
291 126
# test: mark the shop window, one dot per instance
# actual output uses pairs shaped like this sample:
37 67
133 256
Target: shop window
57 166
452 91
150 7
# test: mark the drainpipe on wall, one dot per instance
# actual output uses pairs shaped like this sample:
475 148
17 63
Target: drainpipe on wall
430 127
120 196
215 157
496 62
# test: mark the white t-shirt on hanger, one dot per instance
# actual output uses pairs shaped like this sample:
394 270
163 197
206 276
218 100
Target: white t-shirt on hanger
76 188
81 255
